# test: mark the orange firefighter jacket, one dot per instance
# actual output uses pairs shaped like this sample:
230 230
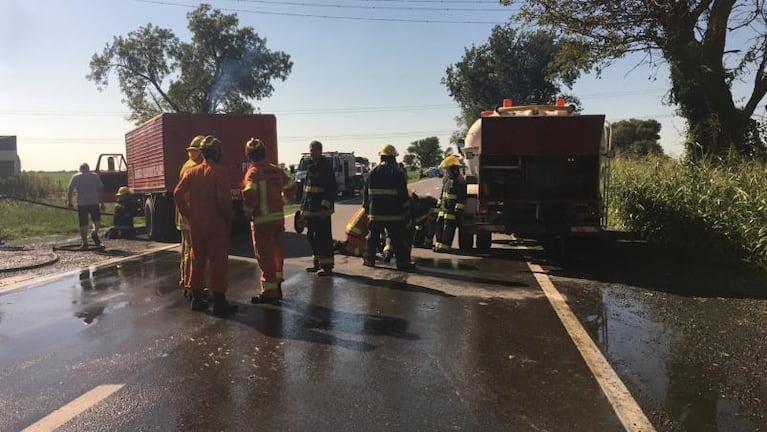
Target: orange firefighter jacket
204 195
263 188
358 224
181 222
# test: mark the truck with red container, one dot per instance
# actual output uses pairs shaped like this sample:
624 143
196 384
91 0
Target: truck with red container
536 171
156 150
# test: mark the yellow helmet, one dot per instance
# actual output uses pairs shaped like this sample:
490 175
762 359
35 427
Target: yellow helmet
122 191
196 141
388 150
210 142
450 161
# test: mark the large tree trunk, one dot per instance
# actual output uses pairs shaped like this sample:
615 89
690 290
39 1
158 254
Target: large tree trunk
699 81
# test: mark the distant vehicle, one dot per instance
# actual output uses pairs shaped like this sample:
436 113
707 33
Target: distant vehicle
433 172
348 178
538 171
156 150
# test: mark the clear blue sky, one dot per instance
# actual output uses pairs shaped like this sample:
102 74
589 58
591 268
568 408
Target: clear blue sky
356 83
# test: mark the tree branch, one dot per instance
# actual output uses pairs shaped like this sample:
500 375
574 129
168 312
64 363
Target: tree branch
152 82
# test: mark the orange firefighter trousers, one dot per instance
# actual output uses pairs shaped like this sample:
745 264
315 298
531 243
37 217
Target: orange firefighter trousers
210 247
269 245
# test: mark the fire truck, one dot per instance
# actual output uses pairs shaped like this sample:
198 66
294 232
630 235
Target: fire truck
536 171
348 180
156 150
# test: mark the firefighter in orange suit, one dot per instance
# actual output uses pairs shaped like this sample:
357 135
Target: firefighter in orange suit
263 188
195 157
204 198
356 232
317 206
451 204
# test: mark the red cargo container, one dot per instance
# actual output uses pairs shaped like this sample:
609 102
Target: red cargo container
155 152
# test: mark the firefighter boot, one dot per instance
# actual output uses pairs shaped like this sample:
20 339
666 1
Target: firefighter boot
268 296
199 303
221 307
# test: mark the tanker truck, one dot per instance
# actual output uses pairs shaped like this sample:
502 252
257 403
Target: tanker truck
535 171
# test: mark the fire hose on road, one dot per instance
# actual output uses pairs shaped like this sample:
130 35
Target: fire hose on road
28 260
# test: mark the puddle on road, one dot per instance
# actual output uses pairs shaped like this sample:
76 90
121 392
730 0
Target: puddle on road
443 264
671 349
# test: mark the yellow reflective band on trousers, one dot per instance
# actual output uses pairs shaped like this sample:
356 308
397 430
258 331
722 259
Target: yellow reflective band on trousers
325 261
270 217
268 286
386 218
392 192
459 206
449 196
446 216
313 189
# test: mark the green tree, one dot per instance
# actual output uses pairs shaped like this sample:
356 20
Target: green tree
511 64
635 137
220 70
409 160
690 36
426 152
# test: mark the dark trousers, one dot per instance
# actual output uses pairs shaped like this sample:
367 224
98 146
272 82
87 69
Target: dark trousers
397 235
318 231
446 231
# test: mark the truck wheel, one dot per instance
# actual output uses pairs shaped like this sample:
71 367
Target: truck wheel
484 241
465 239
158 216
149 222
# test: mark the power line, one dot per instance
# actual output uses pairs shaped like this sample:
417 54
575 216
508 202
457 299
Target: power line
335 17
372 7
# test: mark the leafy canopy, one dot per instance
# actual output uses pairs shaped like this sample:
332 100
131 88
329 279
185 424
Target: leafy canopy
637 138
425 152
511 64
707 44
221 70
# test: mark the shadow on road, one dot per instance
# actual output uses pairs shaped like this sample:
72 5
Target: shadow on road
626 260
313 323
367 282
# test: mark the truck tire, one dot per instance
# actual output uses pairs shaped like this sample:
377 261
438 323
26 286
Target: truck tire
158 216
484 241
465 239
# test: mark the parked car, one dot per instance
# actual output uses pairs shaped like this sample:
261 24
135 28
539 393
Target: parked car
432 172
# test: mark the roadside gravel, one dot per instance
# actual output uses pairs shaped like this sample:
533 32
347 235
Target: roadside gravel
25 259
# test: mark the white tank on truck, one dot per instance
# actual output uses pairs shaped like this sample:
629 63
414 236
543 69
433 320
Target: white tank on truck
535 171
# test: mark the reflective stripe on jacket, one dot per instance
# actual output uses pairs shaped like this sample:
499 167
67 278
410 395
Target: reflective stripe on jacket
262 191
358 224
385 197
319 189
453 197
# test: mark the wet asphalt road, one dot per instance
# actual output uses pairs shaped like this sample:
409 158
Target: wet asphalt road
467 343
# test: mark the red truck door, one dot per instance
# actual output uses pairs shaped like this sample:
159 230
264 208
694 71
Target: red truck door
113 170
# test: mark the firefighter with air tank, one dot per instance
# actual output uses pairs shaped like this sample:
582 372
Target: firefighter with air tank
451 203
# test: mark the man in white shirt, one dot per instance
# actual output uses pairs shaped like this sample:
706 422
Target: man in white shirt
88 186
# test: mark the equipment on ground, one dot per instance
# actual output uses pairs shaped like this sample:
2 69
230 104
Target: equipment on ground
155 152
538 171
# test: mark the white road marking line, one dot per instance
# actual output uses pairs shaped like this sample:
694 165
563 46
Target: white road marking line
626 407
73 409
